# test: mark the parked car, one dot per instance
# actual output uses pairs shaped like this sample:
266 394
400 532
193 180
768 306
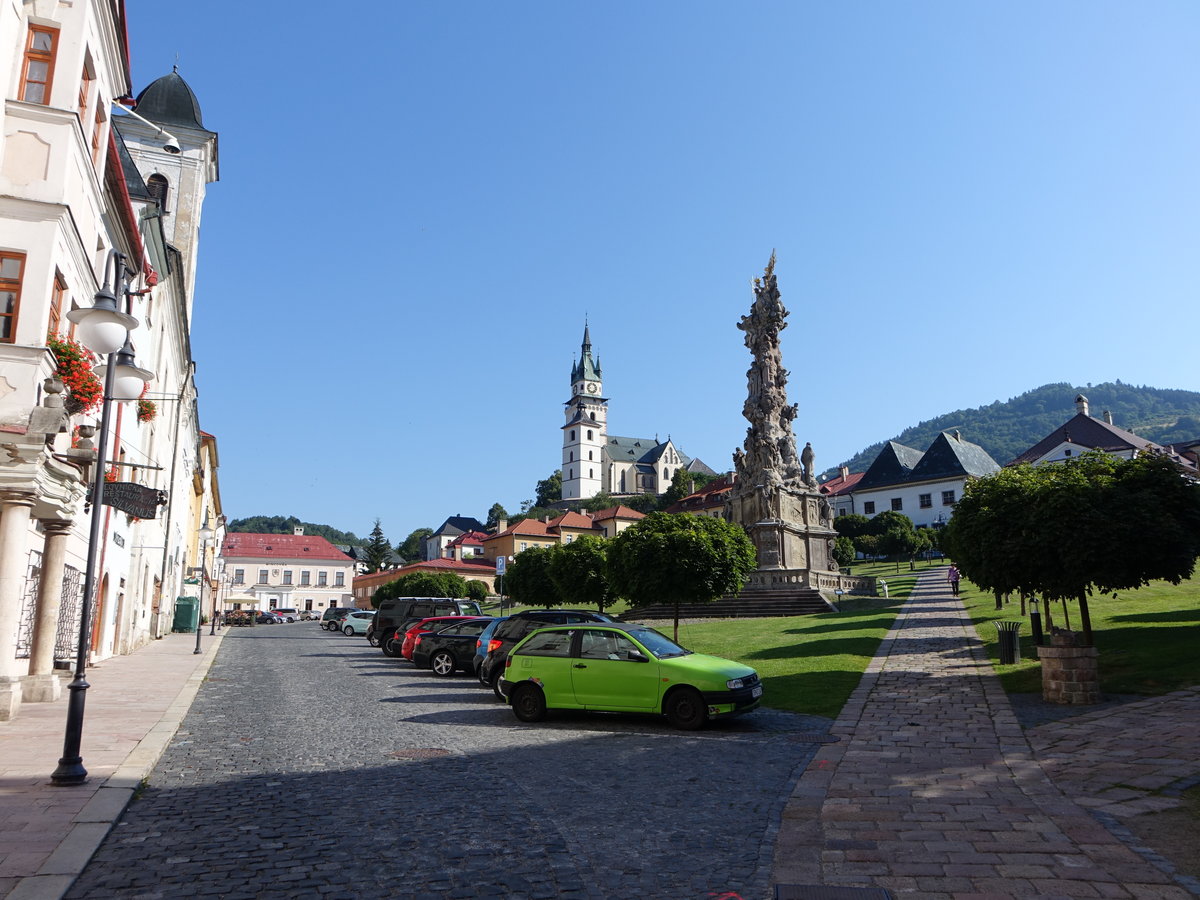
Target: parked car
449 649
617 667
268 618
331 619
397 612
415 628
358 621
519 625
481 643
287 614
310 615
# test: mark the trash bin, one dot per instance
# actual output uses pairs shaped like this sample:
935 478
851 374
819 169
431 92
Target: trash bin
1010 642
187 614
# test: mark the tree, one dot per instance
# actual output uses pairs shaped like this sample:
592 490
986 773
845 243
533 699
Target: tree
476 590
1095 523
684 483
549 490
421 584
843 550
602 500
852 525
495 514
528 580
579 572
377 551
677 558
414 544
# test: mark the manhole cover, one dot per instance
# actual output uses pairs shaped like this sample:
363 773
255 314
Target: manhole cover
815 737
419 753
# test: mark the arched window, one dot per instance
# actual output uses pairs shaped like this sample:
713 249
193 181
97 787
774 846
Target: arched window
572 434
589 434
158 186
570 474
589 454
593 417
571 458
590 475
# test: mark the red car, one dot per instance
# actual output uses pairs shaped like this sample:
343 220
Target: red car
431 624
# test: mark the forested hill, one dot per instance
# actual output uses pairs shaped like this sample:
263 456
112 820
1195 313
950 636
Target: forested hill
287 524
1005 430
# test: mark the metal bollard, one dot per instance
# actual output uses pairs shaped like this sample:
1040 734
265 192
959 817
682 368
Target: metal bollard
1035 624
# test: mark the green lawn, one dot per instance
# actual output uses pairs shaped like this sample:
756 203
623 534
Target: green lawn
1147 639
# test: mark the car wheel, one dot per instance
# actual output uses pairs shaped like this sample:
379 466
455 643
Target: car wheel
389 645
373 638
347 630
442 663
685 709
494 681
528 702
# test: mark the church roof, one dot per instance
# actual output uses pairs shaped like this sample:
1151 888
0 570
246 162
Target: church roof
639 450
456 525
170 101
586 369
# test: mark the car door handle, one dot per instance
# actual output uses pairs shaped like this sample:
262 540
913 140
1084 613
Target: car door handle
579 666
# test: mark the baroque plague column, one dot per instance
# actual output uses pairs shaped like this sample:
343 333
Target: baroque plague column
775 497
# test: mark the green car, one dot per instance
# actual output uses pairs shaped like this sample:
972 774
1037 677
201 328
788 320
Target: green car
623 668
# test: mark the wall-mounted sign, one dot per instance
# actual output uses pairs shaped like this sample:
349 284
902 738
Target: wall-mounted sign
135 499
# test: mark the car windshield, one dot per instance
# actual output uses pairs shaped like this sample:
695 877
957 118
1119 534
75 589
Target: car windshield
659 644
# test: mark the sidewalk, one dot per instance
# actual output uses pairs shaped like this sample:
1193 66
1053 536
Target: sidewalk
933 789
133 708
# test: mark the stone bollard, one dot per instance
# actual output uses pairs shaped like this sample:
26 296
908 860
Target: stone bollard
1070 675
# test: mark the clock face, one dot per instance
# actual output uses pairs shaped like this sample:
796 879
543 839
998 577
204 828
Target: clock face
591 389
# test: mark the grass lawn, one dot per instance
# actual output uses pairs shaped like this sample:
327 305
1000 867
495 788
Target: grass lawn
1147 638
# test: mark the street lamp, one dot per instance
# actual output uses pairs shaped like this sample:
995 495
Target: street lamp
169 143
105 330
206 534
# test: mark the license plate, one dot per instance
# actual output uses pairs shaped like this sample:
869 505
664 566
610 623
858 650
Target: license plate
756 691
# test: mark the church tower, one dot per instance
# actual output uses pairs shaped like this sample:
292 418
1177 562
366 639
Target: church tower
585 432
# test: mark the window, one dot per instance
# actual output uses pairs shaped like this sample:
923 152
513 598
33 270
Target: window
589 434
571 456
97 131
606 645
572 434
589 454
304 577
262 576
58 294
1067 452
85 93
549 643
524 545
925 501
570 538
570 474
12 265
239 576
947 498
897 504
158 186
322 579
590 475
339 579
287 576
869 508
38 72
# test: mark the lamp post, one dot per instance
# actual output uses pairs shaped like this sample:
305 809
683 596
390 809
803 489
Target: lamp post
103 329
206 534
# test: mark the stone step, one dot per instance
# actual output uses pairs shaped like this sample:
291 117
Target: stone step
750 604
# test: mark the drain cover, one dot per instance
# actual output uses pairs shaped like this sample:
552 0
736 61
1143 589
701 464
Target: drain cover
815 737
419 753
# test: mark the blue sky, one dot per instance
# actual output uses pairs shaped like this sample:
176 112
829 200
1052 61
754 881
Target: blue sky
420 203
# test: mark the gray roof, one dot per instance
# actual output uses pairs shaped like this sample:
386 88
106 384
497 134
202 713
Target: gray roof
639 450
949 456
169 101
891 466
134 183
456 525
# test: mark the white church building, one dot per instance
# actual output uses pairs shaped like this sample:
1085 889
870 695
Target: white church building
594 461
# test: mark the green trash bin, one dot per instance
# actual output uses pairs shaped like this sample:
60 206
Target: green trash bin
187 614
1010 642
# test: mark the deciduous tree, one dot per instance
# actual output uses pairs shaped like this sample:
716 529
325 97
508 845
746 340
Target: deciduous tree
579 572
528 580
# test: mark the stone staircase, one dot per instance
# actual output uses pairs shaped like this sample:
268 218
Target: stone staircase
755 604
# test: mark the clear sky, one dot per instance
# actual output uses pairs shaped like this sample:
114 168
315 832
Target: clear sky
420 202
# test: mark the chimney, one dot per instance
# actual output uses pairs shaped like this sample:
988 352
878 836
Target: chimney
958 435
501 525
1081 405
1108 417
298 530
844 471
456 553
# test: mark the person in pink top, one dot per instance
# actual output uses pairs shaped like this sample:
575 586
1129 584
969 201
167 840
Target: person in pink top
953 576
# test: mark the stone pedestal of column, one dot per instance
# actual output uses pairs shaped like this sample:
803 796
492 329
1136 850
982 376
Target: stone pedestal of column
14 532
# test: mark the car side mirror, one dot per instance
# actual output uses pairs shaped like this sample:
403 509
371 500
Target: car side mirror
638 656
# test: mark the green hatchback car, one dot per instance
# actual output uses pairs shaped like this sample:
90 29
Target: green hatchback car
623 668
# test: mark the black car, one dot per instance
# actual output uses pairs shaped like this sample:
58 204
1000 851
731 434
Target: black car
510 632
396 612
449 649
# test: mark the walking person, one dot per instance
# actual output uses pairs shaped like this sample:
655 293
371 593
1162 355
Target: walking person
952 576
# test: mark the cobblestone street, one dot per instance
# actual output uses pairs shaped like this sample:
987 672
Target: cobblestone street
310 765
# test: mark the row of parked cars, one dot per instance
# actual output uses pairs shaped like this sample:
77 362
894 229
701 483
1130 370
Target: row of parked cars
540 660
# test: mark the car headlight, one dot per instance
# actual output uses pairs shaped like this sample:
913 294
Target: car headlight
734 684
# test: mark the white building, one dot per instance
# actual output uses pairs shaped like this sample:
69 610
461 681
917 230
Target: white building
594 460
72 193
285 571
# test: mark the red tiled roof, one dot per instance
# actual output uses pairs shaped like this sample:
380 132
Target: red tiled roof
573 520
841 485
617 512
464 567
281 546
525 526
471 537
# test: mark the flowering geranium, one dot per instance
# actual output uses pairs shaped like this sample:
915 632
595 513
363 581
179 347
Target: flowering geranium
74 362
146 410
110 475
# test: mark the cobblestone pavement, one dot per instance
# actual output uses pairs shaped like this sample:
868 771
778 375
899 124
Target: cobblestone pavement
312 766
934 791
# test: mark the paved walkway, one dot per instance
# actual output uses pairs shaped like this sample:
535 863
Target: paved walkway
934 790
134 705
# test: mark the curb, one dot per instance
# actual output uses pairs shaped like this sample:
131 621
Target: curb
101 813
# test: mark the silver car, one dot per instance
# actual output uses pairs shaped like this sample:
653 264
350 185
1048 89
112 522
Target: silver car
358 622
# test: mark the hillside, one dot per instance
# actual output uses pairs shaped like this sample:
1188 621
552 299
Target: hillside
286 524
1005 430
